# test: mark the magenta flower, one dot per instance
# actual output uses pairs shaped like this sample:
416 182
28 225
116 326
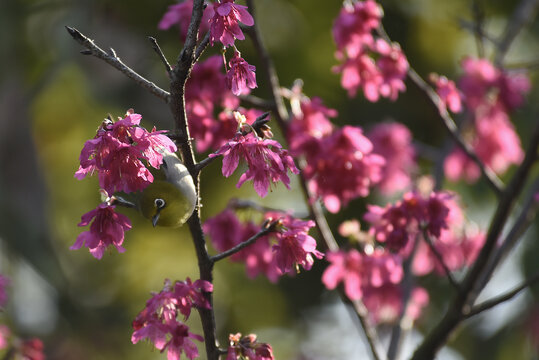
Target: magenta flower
294 246
353 26
358 270
266 160
116 153
180 14
450 96
345 168
224 24
360 71
158 322
241 76
5 333
308 126
457 165
385 303
226 231
32 349
107 229
393 68
393 141
247 347
396 224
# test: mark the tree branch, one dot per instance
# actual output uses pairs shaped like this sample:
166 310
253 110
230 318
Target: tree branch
159 52
461 304
440 259
265 231
179 76
489 304
114 60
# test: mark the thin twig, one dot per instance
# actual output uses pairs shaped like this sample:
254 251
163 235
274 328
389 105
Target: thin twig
471 26
479 19
268 229
523 14
112 59
202 46
524 220
493 180
202 164
159 52
489 304
440 260
258 102
236 203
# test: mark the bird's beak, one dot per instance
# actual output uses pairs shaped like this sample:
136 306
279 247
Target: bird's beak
155 218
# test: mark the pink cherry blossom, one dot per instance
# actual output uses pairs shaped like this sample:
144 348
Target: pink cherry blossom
158 322
358 271
294 246
345 168
352 27
241 76
224 24
393 68
5 333
247 347
32 349
457 165
393 141
116 152
450 96
267 162
311 124
396 224
107 229
360 71
180 14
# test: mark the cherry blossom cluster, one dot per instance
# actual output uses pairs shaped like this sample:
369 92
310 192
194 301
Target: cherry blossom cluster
247 347
340 163
28 349
223 19
368 62
489 95
273 255
116 154
158 322
267 162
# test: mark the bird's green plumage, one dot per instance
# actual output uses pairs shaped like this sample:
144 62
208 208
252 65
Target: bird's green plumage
176 192
175 204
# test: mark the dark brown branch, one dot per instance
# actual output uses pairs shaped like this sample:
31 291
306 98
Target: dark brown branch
479 20
202 164
524 220
462 303
159 52
258 102
265 231
179 76
489 304
440 260
112 59
523 14
202 46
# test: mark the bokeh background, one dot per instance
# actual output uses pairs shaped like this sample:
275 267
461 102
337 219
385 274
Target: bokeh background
52 99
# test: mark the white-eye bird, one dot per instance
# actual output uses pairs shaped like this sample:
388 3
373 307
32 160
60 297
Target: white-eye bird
172 200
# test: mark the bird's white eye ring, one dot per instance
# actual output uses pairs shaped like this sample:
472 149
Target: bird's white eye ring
159 203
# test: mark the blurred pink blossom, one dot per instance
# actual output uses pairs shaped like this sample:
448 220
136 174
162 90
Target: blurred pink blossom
224 23
180 14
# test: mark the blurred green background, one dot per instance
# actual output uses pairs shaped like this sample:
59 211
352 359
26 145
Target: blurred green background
52 99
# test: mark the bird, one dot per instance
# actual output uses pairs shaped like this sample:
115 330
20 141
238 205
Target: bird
169 201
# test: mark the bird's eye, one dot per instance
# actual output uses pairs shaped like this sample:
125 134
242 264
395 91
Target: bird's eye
159 203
